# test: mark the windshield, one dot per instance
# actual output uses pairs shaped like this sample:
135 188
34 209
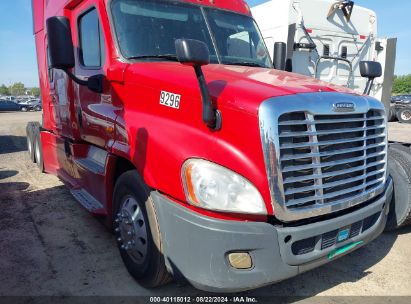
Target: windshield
147 30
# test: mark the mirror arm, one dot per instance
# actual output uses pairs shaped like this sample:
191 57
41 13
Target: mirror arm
211 116
94 83
195 53
368 86
75 79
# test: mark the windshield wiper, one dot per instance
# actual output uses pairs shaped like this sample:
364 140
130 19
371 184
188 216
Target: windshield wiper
170 57
246 63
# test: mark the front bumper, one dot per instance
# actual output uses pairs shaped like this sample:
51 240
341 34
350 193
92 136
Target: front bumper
196 246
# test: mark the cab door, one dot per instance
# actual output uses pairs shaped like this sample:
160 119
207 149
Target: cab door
91 108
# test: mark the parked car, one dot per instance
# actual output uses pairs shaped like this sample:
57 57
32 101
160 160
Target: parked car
35 105
30 105
24 102
401 108
12 106
401 99
9 98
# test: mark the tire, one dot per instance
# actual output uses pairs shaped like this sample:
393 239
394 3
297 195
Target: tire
38 152
24 109
399 167
143 258
30 141
391 114
404 115
37 109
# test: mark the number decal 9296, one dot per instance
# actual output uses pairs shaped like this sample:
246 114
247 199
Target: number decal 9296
170 99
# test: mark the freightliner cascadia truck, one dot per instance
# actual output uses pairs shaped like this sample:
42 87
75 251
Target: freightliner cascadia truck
167 119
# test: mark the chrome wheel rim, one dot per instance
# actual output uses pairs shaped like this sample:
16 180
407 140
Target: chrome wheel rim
29 147
132 230
406 115
38 155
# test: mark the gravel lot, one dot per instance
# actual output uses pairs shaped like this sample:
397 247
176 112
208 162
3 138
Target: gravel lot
49 245
400 132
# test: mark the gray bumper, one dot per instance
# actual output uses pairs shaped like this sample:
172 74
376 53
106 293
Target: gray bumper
196 246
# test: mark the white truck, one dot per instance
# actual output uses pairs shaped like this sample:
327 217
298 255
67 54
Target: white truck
327 39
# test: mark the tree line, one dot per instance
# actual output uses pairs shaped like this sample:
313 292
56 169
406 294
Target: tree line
402 85
18 89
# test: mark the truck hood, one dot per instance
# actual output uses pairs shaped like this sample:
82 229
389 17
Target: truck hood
238 87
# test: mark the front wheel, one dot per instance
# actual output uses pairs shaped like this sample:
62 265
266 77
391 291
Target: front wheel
404 115
137 231
24 109
399 167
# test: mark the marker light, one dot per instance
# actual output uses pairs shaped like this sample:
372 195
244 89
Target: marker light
210 186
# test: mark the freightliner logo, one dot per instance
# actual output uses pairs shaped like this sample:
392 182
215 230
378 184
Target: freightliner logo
344 107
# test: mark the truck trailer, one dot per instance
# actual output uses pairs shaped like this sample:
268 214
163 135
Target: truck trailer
168 120
327 39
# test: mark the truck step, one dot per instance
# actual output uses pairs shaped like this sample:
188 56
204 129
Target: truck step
90 165
95 161
88 201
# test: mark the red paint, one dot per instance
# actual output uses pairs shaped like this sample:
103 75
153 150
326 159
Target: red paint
239 6
309 31
363 37
128 122
38 16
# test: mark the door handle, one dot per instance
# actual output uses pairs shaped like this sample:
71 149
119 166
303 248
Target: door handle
67 150
80 117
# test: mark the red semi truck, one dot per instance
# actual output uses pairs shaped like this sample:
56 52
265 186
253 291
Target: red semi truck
168 119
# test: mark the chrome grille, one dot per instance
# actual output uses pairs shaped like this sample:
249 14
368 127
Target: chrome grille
329 159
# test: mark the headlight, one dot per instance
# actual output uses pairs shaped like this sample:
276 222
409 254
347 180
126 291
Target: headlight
214 187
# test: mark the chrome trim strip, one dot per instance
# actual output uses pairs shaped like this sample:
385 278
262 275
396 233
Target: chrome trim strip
312 104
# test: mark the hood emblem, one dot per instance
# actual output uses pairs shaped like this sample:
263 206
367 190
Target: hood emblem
344 107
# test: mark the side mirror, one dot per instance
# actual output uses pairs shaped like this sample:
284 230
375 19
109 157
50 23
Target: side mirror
60 43
195 53
192 52
279 57
370 70
61 52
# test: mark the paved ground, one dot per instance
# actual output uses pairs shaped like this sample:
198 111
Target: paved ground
400 132
50 246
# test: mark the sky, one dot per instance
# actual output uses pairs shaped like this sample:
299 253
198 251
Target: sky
18 57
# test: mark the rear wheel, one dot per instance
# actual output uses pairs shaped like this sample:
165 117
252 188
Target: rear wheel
391 114
399 167
137 231
30 141
38 152
404 115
